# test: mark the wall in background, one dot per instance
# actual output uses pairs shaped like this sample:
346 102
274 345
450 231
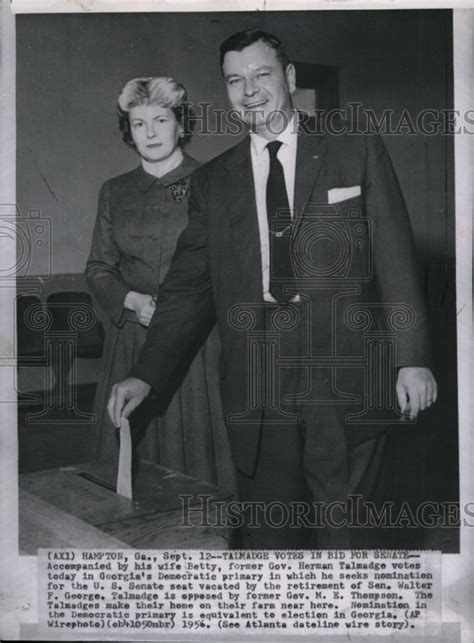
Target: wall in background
70 69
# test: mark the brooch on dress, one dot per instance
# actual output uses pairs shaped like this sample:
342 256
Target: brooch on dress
179 190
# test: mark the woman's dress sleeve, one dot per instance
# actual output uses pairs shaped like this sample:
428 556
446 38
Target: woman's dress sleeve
103 265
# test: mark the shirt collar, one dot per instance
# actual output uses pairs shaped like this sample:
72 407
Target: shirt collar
289 137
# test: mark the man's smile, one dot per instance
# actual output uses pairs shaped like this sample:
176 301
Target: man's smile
255 104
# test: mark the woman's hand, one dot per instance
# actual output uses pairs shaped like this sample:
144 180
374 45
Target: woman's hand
143 306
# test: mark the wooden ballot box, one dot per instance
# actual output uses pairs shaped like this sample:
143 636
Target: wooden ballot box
77 507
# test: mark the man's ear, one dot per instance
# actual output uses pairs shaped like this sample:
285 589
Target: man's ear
290 73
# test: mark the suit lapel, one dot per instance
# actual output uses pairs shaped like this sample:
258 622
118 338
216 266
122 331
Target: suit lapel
309 159
242 211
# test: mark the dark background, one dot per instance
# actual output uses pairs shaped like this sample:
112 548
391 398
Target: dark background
70 70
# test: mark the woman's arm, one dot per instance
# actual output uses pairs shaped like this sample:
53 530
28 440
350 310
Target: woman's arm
103 265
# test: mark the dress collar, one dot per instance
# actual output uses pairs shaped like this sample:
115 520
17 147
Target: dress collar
182 171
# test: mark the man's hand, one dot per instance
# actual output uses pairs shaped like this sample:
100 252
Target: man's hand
416 390
125 397
142 305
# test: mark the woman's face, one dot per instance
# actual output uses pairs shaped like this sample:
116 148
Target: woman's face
155 131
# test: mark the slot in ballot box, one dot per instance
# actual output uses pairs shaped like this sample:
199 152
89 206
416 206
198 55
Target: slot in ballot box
77 507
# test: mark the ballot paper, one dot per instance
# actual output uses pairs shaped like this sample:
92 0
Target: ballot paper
124 474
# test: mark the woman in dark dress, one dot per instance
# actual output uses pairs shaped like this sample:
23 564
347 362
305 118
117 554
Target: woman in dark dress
140 216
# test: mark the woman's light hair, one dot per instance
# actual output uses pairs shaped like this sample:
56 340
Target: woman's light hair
161 91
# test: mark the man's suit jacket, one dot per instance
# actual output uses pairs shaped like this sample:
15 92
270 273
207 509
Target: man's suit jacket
352 257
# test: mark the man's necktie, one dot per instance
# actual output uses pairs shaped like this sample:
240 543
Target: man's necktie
280 229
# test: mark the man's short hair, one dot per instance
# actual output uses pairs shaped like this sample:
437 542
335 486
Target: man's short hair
242 39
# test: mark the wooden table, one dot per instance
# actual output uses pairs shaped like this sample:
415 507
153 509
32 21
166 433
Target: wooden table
77 507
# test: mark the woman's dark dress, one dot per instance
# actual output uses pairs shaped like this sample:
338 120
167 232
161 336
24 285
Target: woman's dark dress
140 218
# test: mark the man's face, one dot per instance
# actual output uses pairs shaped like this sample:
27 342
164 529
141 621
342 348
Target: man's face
258 88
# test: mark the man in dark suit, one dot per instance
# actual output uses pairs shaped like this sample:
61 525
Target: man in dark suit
300 247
